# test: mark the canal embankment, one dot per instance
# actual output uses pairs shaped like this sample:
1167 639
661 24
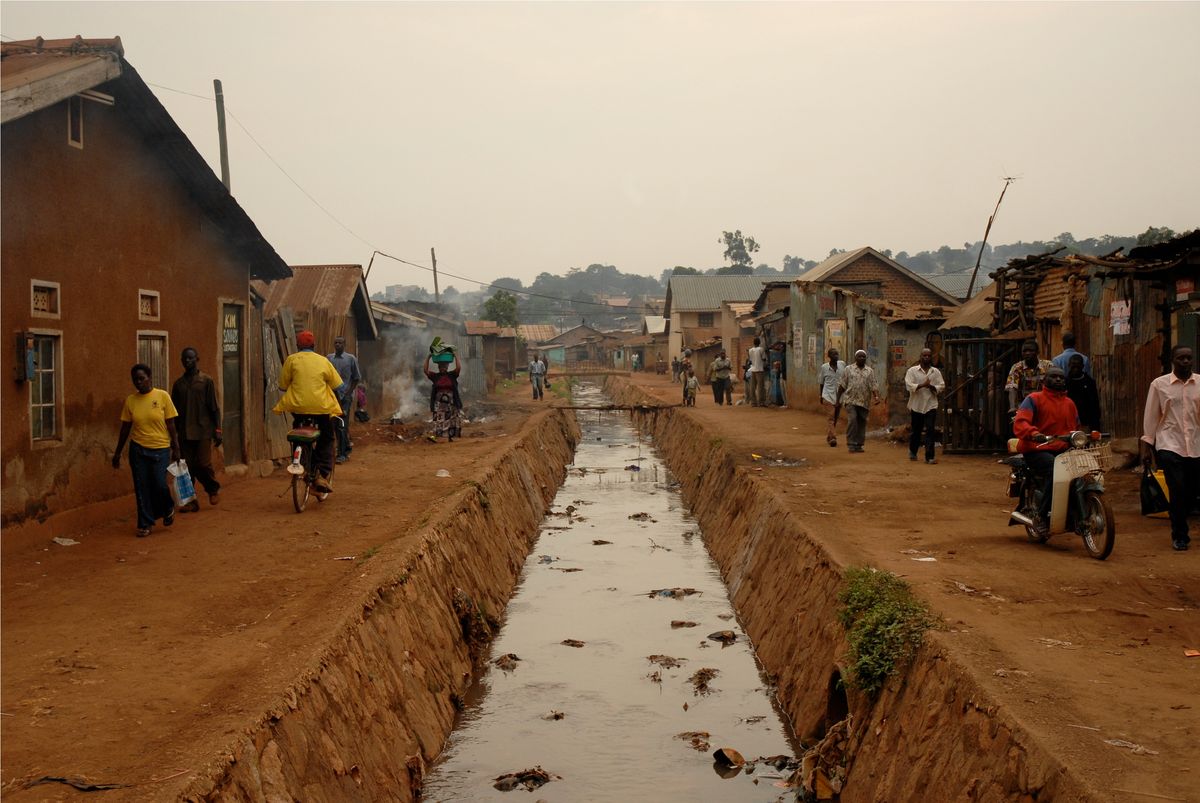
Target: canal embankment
933 732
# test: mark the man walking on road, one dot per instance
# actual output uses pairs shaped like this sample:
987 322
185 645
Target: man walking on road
537 376
857 390
828 376
718 377
925 385
1171 438
347 368
758 374
199 424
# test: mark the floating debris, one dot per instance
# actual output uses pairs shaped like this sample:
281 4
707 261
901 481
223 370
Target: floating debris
570 642
665 661
729 757
640 517
673 593
726 637
655 676
725 616
701 678
633 467
506 662
546 558
530 779
678 623
568 569
553 716
600 542
654 546
697 739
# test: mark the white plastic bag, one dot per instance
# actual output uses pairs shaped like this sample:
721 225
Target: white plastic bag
183 490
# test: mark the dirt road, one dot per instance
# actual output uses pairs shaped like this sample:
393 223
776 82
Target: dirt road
1081 651
130 660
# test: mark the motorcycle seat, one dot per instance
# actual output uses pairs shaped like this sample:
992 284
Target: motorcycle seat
1016 461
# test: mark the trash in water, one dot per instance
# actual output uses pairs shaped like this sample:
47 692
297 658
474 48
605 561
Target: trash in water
530 779
754 721
633 467
553 716
729 757
64 541
665 661
678 623
441 472
546 559
697 739
506 662
726 637
701 678
641 517
655 676
654 546
600 542
570 642
568 569
674 593
725 616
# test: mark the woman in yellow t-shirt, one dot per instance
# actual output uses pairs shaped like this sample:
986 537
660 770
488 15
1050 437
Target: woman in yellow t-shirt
149 416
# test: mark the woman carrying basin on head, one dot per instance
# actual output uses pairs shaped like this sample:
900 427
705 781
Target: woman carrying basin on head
444 401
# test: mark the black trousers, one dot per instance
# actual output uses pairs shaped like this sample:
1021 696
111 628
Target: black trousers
922 432
1183 484
1041 464
722 391
323 448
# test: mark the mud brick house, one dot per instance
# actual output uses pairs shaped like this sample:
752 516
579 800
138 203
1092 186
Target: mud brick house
870 274
586 346
693 306
499 350
120 246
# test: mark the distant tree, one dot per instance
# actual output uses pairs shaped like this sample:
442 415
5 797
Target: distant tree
450 294
1153 236
509 283
836 251
793 265
735 270
738 249
680 270
887 252
501 308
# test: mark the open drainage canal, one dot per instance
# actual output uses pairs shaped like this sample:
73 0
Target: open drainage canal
604 679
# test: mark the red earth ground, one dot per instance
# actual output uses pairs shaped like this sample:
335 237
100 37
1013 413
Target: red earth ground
132 660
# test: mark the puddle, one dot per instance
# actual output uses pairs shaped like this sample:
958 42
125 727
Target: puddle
613 688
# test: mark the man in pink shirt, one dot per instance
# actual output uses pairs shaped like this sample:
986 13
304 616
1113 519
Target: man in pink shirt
1171 438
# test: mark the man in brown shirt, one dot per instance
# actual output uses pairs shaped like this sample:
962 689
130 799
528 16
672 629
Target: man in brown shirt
195 397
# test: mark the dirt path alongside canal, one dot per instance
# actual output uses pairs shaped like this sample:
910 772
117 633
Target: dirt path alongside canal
134 661
1077 651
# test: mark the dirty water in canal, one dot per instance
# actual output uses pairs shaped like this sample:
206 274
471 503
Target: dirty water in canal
604 674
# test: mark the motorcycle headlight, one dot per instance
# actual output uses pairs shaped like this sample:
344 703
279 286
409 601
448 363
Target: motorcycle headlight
1079 439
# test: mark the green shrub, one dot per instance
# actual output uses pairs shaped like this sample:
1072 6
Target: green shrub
885 624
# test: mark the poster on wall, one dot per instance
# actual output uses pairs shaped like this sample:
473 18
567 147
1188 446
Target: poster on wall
812 351
1119 314
835 337
797 341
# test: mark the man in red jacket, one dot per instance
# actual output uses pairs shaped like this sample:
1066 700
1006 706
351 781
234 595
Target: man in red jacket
1048 411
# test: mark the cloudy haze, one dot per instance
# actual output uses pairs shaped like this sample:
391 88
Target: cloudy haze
520 138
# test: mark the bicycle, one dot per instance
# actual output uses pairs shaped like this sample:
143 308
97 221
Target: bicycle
303 437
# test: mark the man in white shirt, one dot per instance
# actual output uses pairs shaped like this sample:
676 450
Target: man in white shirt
758 374
537 376
925 385
1171 438
828 376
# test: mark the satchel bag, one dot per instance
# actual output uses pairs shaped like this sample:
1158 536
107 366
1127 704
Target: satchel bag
183 490
1155 497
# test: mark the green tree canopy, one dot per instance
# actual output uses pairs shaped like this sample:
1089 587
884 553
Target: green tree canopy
738 249
501 308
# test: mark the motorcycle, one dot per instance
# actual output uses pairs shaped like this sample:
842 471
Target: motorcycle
1077 502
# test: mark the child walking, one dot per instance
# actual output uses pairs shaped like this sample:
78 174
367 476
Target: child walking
690 388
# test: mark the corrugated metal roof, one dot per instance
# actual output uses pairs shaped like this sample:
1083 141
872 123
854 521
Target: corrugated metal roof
482 327
537 332
976 313
336 289
705 293
956 283
386 314
30 69
1051 294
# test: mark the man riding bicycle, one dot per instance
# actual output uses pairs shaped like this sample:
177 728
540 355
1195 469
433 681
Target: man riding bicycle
1045 412
309 383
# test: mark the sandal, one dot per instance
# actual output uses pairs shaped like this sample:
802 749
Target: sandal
143 532
169 519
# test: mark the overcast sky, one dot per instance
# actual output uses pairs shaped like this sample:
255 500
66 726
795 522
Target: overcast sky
527 137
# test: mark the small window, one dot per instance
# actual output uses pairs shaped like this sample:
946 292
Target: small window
706 319
44 301
75 121
148 305
45 388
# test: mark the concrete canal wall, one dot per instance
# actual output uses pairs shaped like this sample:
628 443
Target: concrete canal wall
932 734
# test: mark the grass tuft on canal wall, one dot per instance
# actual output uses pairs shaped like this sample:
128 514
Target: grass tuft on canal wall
885 625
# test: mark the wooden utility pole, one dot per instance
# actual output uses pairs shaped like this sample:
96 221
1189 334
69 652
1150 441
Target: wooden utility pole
987 230
437 297
221 132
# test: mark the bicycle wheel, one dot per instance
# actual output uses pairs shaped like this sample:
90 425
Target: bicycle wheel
1097 526
300 482
1036 535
